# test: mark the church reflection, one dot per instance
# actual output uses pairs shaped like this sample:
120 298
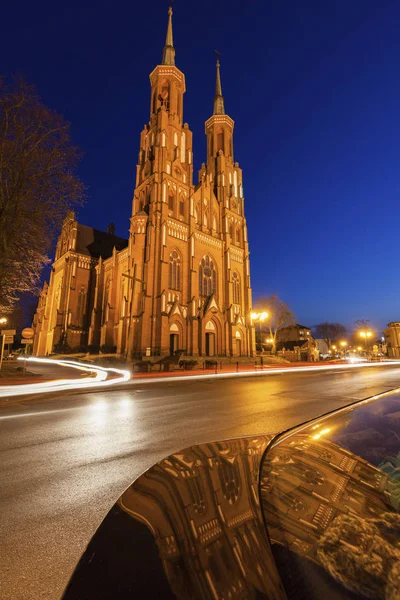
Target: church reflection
202 507
326 510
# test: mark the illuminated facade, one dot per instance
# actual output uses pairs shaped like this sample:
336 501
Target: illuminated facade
183 280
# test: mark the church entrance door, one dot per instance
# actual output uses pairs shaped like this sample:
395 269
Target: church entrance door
238 347
210 344
173 343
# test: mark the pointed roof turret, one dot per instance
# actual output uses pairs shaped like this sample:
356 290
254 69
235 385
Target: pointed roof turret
169 50
219 108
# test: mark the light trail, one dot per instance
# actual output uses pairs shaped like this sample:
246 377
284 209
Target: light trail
100 376
97 377
266 371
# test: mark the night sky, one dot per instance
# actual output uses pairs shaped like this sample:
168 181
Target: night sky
314 90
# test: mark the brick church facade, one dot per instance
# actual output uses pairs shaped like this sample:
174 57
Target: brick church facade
182 279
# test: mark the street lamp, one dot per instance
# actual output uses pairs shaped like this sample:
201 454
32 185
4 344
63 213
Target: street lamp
344 344
365 335
259 317
3 321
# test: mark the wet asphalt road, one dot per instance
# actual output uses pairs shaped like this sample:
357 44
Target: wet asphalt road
65 460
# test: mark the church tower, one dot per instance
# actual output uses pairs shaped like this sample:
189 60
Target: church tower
188 245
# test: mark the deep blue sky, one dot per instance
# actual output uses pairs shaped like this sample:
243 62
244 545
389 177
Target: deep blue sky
314 90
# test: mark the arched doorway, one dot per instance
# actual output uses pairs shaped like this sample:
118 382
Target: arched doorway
210 339
238 342
173 339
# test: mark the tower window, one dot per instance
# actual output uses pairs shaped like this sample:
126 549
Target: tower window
181 207
220 139
207 277
164 95
236 288
238 235
174 271
171 200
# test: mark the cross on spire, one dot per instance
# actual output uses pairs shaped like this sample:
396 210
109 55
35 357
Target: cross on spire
219 108
169 50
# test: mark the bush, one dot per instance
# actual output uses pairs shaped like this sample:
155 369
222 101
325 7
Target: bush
187 365
143 366
108 349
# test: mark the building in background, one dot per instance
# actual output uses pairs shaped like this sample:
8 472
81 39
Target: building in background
182 279
392 339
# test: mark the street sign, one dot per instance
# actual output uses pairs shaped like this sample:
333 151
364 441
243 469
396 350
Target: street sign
8 339
8 332
26 341
28 333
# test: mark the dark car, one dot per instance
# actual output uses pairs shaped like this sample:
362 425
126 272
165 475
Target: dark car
312 513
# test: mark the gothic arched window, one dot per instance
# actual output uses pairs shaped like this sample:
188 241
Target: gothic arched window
174 275
236 288
181 206
81 306
164 95
207 277
105 300
170 200
220 139
238 235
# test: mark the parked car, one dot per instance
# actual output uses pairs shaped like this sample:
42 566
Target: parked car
311 513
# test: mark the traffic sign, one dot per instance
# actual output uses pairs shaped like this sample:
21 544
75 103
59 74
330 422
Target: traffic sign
8 339
8 332
26 341
28 333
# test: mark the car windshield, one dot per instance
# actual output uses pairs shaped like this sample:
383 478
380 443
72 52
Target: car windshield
330 496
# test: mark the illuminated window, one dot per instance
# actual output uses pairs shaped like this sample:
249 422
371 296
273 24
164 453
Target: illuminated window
207 277
181 207
174 271
238 236
236 288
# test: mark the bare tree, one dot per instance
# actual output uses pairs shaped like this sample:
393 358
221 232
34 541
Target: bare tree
37 186
279 315
330 332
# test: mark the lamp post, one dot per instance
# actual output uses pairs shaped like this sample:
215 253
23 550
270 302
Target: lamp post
260 318
3 321
365 334
344 344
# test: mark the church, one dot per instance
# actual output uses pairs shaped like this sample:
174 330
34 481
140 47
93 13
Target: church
181 281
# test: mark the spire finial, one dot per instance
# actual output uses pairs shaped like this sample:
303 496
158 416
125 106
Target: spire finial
219 108
169 50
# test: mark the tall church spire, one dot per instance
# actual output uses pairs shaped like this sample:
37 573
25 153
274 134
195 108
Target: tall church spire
169 50
219 108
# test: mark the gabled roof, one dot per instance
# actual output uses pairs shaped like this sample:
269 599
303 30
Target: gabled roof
93 242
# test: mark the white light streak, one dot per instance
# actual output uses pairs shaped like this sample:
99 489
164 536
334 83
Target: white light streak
97 377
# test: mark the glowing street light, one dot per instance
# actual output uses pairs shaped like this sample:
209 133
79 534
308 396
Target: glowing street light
259 317
365 334
344 344
3 321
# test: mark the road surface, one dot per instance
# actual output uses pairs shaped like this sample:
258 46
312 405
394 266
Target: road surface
65 460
